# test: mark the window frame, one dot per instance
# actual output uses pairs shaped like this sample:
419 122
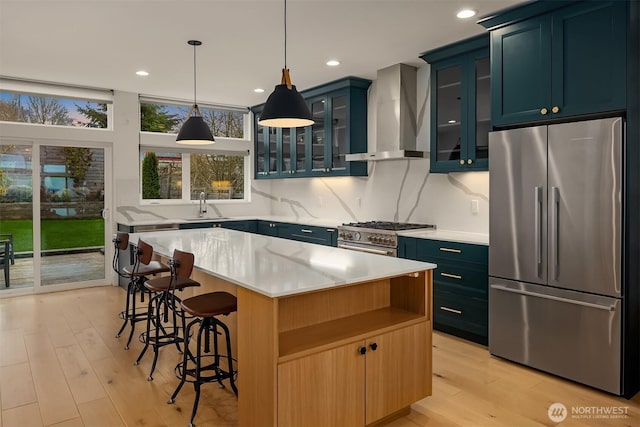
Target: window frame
186 175
246 122
61 92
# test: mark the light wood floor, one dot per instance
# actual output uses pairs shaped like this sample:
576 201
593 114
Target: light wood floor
60 365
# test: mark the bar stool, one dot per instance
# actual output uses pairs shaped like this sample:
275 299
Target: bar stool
205 308
137 273
160 331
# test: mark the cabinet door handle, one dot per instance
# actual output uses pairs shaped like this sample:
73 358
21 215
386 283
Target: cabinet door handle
451 310
330 230
455 251
461 162
362 350
304 230
452 276
555 109
373 346
543 111
469 161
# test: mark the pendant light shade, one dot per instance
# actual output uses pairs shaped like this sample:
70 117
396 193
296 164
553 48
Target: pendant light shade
285 107
195 131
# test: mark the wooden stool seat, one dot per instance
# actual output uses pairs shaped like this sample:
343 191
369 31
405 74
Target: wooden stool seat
210 304
166 283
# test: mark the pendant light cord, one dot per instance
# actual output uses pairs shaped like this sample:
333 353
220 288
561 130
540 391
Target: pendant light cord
285 34
195 103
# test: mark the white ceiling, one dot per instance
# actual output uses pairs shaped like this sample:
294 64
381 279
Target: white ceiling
101 43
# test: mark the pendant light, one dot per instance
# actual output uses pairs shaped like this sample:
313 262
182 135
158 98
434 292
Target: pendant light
285 106
194 131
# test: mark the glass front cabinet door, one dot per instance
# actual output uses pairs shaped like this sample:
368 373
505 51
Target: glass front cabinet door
339 110
460 106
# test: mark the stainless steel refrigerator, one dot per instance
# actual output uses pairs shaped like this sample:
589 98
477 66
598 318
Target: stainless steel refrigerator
555 288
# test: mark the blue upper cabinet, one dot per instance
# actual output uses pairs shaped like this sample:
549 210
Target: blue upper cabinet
340 113
549 64
460 105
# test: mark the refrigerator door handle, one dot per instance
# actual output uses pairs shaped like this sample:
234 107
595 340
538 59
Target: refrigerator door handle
555 213
538 229
554 298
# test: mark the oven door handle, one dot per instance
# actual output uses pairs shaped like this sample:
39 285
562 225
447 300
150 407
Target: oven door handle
369 250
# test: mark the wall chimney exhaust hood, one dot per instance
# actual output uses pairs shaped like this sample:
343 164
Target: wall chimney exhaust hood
393 102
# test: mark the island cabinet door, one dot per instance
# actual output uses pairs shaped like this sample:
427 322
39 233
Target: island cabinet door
398 370
324 389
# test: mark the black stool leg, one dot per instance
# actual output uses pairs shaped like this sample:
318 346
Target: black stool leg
150 312
175 306
216 351
186 356
198 380
232 380
132 317
161 313
125 313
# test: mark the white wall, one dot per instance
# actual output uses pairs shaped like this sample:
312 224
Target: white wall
395 190
127 139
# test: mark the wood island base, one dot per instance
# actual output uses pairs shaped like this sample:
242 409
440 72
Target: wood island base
345 356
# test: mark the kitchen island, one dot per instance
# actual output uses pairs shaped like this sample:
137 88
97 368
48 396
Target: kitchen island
325 336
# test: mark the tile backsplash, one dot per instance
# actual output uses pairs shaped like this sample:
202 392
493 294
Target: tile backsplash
396 190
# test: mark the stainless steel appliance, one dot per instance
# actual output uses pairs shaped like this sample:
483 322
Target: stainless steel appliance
555 288
377 237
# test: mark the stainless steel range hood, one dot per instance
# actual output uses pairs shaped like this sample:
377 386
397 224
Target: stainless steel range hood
393 101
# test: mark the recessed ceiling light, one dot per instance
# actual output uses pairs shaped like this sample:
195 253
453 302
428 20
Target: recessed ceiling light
452 121
142 73
258 90
333 63
466 13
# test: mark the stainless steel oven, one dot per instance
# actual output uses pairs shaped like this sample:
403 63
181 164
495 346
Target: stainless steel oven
376 237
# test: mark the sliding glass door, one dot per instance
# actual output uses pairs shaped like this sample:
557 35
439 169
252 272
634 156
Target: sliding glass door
58 230
16 216
71 207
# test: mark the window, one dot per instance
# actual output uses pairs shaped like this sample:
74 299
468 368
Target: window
167 118
174 175
53 110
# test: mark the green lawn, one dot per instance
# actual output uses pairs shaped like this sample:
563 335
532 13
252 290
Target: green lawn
56 233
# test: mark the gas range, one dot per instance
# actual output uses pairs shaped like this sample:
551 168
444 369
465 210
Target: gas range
380 237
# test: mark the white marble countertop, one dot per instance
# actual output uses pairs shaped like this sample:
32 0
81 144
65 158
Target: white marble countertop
320 222
448 235
276 267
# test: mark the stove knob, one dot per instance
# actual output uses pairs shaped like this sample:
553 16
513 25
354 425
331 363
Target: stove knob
388 240
349 236
369 238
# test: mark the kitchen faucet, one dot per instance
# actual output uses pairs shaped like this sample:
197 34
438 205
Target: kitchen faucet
203 204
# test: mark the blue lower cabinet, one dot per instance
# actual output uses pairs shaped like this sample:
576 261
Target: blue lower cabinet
268 228
310 234
460 315
249 226
406 247
196 224
460 284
